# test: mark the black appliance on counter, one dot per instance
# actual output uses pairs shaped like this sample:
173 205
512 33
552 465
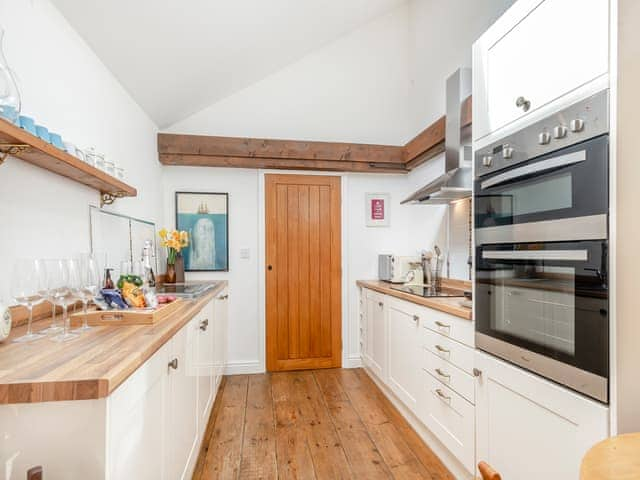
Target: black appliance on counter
541 201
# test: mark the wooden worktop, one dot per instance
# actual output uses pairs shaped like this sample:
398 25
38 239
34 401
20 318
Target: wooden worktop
89 367
445 304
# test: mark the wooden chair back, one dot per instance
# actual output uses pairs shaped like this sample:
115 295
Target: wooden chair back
487 472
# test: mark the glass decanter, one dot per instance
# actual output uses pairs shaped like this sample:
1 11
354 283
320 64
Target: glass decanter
9 94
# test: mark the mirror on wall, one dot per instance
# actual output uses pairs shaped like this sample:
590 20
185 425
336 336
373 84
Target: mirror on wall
116 238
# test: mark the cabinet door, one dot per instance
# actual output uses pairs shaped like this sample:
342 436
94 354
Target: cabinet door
220 315
404 357
539 51
376 341
136 422
553 427
182 404
205 362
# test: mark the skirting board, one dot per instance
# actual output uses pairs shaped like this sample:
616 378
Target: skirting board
352 362
240 368
451 462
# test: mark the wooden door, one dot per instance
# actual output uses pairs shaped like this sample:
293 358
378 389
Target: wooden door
303 272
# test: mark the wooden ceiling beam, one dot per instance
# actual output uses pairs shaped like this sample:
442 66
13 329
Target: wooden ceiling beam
237 152
284 149
279 163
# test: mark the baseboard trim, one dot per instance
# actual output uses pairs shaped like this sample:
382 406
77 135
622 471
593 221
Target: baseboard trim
240 368
456 468
352 362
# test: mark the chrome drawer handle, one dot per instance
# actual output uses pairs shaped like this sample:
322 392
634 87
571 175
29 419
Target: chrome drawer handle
204 324
442 395
442 349
442 325
174 364
442 374
523 103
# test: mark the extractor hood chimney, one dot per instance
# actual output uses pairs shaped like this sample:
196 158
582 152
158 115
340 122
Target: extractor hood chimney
455 182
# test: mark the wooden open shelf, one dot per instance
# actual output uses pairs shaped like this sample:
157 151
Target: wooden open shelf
21 144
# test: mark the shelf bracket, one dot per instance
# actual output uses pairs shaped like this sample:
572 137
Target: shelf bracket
107 198
7 149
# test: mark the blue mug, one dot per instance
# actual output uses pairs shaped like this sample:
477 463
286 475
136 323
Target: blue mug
43 133
28 124
9 113
56 140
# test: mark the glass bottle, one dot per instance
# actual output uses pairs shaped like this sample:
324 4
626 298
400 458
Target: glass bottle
9 94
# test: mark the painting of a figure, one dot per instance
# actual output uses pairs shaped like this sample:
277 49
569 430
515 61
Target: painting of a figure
205 217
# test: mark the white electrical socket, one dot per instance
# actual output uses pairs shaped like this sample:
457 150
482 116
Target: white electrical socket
245 253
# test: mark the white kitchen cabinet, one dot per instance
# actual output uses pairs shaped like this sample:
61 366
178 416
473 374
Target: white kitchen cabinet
205 360
538 51
450 417
376 342
220 315
135 422
404 350
182 412
530 428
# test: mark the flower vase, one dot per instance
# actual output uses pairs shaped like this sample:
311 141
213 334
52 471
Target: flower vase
9 94
179 267
170 276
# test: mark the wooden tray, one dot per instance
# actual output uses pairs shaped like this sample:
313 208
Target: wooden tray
132 316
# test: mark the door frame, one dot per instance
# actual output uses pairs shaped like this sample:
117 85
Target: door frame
347 361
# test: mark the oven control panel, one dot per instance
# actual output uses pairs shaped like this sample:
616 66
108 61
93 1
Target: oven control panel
579 122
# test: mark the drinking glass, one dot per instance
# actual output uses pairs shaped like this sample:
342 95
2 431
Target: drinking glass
89 285
64 277
50 267
28 287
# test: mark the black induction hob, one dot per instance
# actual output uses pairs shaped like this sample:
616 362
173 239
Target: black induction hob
427 291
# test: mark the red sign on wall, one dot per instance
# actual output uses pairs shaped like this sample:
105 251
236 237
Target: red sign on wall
377 209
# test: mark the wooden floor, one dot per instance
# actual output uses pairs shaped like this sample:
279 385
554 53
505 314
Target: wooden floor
321 424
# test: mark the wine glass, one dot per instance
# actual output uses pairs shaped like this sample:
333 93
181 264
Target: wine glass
65 274
28 287
50 267
89 285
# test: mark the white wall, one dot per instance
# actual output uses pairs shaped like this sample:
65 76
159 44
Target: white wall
354 89
66 88
440 39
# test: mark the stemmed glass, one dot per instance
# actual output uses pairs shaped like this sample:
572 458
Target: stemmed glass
28 287
50 268
89 285
64 277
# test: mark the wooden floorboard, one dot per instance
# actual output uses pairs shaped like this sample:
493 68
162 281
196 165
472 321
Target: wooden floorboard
321 424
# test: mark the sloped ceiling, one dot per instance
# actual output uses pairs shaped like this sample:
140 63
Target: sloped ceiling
177 57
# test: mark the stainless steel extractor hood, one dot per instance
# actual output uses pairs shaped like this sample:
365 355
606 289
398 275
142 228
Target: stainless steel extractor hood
455 182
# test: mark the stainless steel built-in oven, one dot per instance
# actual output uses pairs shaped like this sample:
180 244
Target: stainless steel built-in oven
541 202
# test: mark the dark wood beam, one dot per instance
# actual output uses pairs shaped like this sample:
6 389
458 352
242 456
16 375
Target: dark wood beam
279 163
430 142
282 149
237 152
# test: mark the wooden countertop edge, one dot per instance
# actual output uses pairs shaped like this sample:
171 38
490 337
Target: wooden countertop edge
442 304
101 387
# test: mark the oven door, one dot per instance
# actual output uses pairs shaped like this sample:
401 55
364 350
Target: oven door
544 306
571 182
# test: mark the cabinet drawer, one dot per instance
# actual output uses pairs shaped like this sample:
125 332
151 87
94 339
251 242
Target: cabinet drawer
450 326
454 352
451 418
461 382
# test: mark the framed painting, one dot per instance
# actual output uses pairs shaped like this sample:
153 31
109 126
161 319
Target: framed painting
206 217
377 209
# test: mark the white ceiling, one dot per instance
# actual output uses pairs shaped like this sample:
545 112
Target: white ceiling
176 57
